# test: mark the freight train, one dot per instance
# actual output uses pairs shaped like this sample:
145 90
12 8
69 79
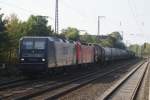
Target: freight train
38 54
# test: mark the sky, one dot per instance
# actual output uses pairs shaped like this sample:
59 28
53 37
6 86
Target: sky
130 17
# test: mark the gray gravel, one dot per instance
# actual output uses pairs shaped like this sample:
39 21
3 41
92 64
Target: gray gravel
143 93
96 88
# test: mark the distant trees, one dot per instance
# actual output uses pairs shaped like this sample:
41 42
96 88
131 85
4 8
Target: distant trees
71 33
114 39
88 38
136 49
34 26
117 40
143 49
37 26
116 35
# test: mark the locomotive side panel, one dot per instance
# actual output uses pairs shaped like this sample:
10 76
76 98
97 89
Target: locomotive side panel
51 55
61 51
65 54
71 59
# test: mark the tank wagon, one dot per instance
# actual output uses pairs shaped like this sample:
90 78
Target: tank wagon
38 54
115 54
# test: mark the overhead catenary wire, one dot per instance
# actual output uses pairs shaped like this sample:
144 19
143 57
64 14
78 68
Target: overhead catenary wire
74 10
83 15
22 9
134 16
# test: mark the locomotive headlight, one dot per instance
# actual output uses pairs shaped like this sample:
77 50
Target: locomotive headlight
22 59
43 59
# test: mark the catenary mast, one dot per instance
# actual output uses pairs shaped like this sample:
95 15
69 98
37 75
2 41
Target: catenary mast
56 18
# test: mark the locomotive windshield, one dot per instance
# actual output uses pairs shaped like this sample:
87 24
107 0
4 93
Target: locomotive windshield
33 48
33 45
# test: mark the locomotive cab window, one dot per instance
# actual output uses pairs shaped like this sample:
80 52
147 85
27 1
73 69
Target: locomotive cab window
27 44
39 45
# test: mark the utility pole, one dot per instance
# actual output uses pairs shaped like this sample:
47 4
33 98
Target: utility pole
121 30
56 18
122 35
99 17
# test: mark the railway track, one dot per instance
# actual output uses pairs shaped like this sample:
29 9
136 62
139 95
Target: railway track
11 81
23 86
127 87
54 92
20 82
56 89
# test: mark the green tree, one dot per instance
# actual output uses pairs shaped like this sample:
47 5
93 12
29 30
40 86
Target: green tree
4 40
15 29
116 35
116 40
106 42
145 49
37 26
88 38
112 40
71 33
135 48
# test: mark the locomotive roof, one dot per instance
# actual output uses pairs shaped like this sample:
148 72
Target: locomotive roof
40 37
46 37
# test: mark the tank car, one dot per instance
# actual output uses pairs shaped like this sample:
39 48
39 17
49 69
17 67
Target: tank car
115 54
99 54
108 54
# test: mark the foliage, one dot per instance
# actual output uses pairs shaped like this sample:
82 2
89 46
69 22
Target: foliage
37 26
15 29
4 40
116 35
143 50
135 48
71 33
88 38
113 40
116 40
